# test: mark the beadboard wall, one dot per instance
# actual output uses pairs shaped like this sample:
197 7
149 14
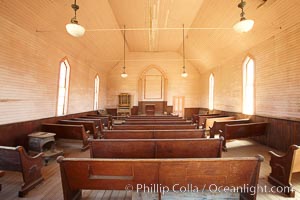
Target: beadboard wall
277 78
170 63
29 72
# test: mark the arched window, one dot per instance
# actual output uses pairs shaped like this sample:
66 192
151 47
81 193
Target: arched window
211 92
63 88
96 93
248 86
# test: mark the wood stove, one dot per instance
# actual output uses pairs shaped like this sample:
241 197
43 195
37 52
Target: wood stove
43 142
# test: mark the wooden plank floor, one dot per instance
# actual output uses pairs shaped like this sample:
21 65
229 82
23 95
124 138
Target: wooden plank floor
51 188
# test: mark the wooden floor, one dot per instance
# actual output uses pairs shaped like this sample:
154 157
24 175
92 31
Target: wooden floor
51 188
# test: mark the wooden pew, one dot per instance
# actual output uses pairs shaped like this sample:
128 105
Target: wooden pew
116 174
202 119
154 117
195 117
1 174
155 122
153 134
156 148
16 159
89 126
220 125
154 127
66 131
236 131
98 122
283 167
105 120
210 121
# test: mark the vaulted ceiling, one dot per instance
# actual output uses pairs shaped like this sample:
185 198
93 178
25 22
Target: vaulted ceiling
152 25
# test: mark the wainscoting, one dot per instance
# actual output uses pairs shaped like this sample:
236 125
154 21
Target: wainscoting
15 134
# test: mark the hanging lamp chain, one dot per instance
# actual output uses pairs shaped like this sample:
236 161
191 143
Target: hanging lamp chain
183 48
124 49
241 6
75 8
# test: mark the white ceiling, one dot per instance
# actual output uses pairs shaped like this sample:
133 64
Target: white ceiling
210 39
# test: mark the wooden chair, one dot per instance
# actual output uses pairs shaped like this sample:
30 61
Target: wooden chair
283 167
16 159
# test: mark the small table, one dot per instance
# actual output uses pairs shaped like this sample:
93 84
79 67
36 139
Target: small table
43 142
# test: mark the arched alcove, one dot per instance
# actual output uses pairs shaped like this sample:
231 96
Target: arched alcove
152 89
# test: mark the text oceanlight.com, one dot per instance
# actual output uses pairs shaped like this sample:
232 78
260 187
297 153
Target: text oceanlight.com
190 188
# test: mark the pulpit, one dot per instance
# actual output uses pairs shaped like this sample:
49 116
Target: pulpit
150 109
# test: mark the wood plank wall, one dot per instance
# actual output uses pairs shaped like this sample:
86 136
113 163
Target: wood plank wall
138 62
29 72
277 86
16 133
281 133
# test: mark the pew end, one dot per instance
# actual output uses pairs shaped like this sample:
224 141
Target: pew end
283 167
16 159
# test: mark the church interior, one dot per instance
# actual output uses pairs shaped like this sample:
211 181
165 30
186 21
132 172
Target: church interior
150 99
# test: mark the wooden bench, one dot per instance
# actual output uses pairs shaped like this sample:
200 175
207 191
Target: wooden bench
1 174
89 126
156 122
105 120
283 167
154 127
156 119
210 121
118 174
236 131
66 131
16 159
153 134
203 118
195 117
220 125
156 148
98 122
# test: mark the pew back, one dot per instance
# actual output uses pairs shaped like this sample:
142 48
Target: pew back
210 121
156 148
116 174
202 119
89 126
220 125
10 159
154 127
67 131
153 134
153 122
236 131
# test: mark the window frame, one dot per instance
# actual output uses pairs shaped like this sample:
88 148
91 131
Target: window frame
96 92
246 85
211 90
64 62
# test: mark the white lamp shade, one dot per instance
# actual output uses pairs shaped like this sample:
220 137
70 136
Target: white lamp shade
243 26
184 74
124 75
75 29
